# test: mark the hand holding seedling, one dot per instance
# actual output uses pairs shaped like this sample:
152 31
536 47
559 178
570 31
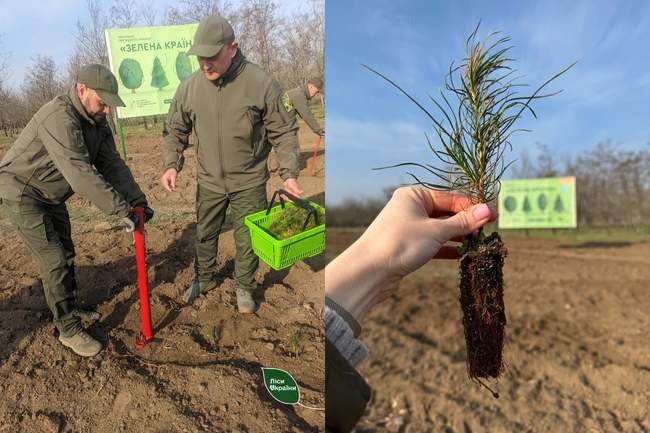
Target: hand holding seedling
414 227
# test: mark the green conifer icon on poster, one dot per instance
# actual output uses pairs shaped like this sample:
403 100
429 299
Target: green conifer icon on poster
542 201
183 66
158 78
559 205
526 206
130 73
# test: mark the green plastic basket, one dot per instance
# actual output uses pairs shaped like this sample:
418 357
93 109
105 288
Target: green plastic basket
280 254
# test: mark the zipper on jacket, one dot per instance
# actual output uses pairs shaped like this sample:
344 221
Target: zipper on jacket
220 136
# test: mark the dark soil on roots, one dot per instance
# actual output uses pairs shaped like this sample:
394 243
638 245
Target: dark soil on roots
481 299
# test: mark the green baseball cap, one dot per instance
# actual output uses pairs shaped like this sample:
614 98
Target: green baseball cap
316 81
101 80
213 33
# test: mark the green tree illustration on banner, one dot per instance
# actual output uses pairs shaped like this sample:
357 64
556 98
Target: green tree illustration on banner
510 203
542 201
526 206
559 205
158 77
130 73
183 66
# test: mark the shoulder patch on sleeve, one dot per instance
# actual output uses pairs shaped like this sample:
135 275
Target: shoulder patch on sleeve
286 102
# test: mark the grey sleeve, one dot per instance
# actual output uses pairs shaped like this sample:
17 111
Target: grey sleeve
176 132
339 333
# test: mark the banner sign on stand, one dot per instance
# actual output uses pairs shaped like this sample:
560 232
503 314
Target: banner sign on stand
538 203
149 64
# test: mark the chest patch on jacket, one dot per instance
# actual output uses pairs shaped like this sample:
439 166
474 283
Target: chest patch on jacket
286 102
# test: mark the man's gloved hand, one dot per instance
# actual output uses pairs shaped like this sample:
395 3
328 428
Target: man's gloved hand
130 222
148 214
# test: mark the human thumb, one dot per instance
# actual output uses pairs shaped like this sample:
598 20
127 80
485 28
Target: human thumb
465 222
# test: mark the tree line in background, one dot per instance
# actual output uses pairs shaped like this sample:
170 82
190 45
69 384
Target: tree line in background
289 47
612 187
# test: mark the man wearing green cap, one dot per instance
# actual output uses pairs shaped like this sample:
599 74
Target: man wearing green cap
298 99
67 147
235 110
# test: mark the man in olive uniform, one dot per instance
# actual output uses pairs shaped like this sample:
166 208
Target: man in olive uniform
67 147
235 110
298 99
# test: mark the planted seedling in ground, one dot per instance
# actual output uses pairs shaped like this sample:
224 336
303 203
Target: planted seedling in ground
291 221
478 113
294 341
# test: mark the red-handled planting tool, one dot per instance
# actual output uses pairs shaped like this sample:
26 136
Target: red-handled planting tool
141 259
312 165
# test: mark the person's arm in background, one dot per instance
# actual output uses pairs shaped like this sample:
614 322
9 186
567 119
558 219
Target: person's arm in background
301 104
176 132
413 228
282 131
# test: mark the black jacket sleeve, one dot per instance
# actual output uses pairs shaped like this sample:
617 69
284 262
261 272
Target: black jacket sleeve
346 393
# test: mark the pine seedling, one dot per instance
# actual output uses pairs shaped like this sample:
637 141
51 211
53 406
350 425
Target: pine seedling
478 111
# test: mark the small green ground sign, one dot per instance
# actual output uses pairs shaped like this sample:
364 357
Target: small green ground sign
538 203
281 385
149 64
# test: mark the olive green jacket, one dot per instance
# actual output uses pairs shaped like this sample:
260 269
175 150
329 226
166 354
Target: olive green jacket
235 120
299 97
62 151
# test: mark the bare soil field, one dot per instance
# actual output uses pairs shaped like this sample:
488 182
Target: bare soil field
577 344
203 371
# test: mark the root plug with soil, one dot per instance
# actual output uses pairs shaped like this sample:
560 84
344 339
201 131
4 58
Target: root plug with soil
481 299
478 111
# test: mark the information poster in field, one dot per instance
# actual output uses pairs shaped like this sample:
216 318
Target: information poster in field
538 203
150 63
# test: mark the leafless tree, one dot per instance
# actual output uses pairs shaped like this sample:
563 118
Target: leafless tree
124 14
612 185
149 14
42 83
259 29
4 65
193 11
544 166
91 43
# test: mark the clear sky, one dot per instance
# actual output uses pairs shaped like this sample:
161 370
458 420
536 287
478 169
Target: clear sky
370 124
32 27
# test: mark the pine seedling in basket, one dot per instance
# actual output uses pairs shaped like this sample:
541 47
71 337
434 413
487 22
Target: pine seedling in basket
477 114
291 221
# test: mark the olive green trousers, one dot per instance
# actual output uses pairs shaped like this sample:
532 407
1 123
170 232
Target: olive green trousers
210 215
46 231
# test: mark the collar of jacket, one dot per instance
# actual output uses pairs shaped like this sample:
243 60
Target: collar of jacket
79 108
235 69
